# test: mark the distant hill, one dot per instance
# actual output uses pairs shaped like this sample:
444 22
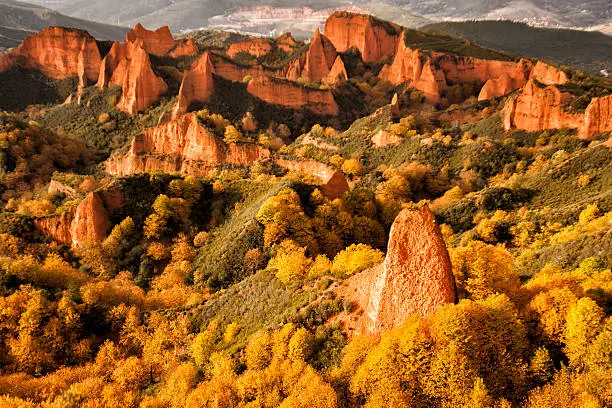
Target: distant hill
18 20
196 14
589 51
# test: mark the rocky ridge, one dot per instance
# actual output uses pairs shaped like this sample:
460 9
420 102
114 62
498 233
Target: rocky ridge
181 146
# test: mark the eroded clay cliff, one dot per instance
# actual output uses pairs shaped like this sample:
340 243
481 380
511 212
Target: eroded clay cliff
88 222
57 52
181 146
440 76
294 96
416 277
538 107
375 39
158 42
129 66
548 75
197 85
597 118
257 47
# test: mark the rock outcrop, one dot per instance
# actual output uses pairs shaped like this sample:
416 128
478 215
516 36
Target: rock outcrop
294 96
187 48
286 42
548 75
540 107
336 186
128 65
440 76
257 47
375 39
333 181
319 58
230 70
597 118
181 146
416 277
88 222
537 108
337 74
507 82
198 85
58 53
158 42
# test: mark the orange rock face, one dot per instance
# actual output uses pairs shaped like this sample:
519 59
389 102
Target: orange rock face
89 222
158 42
187 48
57 52
540 107
286 42
319 59
290 95
439 76
128 65
548 75
416 277
232 71
256 46
375 39
537 108
507 82
197 85
597 118
337 74
181 146
336 186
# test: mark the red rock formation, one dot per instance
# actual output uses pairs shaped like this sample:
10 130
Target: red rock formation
416 277
88 222
337 74
91 221
294 96
432 73
336 186
118 52
319 58
537 108
158 42
286 42
187 48
597 118
57 53
181 146
507 82
197 85
374 38
128 65
415 68
232 71
57 226
254 46
548 75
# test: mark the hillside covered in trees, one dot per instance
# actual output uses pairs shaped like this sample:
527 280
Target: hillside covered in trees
227 221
